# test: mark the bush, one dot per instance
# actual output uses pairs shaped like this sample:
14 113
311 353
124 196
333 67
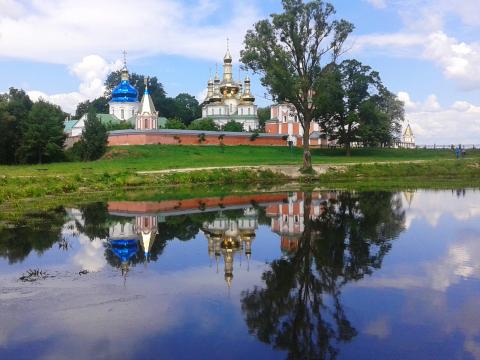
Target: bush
204 124
233 126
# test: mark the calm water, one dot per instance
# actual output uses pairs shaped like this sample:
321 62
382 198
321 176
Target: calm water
269 276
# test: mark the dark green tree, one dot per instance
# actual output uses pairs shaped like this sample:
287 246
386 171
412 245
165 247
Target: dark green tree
354 106
299 309
233 126
14 109
174 124
290 52
100 105
206 124
94 138
43 136
263 116
187 108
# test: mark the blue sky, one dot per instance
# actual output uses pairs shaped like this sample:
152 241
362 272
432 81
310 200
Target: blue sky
427 51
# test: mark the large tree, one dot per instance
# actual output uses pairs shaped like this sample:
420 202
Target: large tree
187 108
100 105
93 142
14 109
43 137
354 106
290 52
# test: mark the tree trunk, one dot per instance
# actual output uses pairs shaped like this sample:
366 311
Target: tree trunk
348 148
307 156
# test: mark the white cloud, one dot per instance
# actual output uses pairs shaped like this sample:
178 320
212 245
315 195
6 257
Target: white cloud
425 36
62 32
435 124
91 72
379 4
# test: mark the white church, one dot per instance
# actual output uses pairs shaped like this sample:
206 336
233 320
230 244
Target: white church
228 99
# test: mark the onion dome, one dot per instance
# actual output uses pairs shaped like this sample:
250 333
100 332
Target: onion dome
124 92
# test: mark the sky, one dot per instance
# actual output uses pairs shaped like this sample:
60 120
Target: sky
427 51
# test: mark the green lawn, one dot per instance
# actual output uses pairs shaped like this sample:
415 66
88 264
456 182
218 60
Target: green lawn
158 157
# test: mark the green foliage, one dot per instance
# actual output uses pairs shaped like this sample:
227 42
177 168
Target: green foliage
201 138
354 106
290 52
122 125
254 136
204 124
14 109
175 124
263 114
233 126
43 136
187 108
100 105
93 143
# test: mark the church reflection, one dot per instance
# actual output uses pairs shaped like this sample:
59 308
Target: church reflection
228 237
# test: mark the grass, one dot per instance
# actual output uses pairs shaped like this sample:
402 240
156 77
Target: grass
117 171
159 157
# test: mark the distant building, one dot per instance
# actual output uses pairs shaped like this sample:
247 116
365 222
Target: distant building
147 117
229 100
284 120
124 104
408 139
123 107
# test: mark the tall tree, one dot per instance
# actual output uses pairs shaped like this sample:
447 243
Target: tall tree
187 108
94 137
290 53
233 126
14 109
43 136
354 106
263 116
100 105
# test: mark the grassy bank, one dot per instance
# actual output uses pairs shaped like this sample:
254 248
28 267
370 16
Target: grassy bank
159 157
117 171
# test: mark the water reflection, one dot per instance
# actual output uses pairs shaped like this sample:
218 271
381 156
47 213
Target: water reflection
317 275
330 239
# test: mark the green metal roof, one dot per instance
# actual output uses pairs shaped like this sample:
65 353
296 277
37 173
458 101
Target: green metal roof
68 125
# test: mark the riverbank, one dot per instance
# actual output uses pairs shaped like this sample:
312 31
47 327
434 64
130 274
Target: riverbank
17 192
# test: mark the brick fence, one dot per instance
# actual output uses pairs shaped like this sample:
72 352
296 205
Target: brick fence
192 137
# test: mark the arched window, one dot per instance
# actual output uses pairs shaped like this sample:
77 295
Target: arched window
146 123
122 114
248 111
241 110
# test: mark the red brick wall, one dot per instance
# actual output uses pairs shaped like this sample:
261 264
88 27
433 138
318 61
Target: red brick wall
188 139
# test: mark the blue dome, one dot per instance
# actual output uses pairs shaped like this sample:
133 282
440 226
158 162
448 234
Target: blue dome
124 92
124 249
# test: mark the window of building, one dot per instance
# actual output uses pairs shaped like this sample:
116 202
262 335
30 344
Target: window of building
284 118
122 115
241 111
231 108
248 111
296 218
146 124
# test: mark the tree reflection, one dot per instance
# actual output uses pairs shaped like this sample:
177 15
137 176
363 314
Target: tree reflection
33 231
299 309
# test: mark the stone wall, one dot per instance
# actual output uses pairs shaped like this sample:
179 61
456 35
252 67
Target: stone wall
191 137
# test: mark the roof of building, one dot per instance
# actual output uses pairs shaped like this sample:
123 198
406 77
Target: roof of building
147 107
124 92
408 131
68 125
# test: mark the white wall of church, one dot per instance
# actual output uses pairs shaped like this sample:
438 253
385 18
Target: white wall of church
123 110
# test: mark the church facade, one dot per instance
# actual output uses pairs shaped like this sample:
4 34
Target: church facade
229 100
